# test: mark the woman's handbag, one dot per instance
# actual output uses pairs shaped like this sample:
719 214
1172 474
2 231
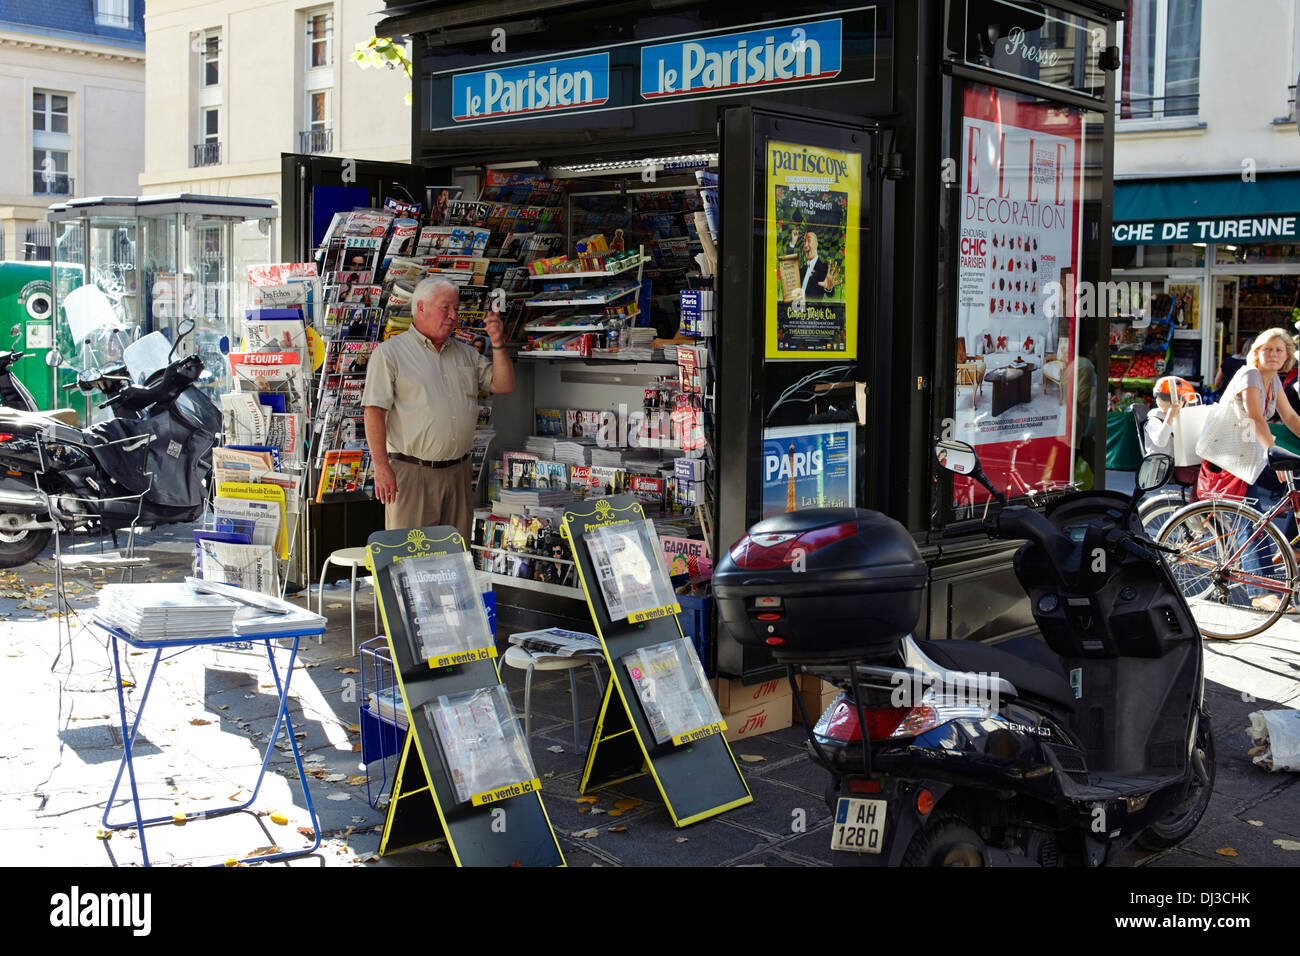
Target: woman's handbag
1229 441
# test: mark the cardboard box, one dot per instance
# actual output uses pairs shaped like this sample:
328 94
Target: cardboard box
815 700
733 695
758 720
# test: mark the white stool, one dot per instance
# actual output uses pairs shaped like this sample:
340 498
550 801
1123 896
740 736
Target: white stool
346 558
528 662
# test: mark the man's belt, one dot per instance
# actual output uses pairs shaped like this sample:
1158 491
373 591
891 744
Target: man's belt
429 464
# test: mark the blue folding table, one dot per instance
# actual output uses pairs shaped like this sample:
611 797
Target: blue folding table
295 628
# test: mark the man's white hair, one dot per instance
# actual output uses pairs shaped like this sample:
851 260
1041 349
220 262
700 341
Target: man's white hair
429 287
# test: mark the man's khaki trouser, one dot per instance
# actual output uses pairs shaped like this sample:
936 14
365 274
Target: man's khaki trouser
431 496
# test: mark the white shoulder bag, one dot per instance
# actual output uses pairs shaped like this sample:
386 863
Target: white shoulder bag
1229 441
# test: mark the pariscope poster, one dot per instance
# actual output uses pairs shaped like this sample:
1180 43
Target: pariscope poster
813 255
808 466
1019 235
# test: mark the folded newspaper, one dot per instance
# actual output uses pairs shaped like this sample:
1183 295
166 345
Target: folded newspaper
557 642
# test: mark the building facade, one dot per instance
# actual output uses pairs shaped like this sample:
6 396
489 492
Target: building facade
233 84
72 89
1207 183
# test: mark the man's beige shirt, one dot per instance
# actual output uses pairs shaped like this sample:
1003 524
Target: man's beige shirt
431 396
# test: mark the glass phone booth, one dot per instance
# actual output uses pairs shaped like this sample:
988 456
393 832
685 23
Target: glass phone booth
151 263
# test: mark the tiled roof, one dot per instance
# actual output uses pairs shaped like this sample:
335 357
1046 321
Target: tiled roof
72 20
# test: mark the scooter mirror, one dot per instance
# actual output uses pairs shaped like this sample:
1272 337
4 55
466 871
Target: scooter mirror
956 456
53 358
1154 471
16 333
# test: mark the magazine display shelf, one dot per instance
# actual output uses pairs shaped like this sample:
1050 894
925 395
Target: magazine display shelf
597 298
424 806
698 779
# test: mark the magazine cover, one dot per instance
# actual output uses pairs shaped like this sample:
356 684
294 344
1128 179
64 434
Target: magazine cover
440 604
549 422
550 474
275 372
484 750
673 691
630 572
438 199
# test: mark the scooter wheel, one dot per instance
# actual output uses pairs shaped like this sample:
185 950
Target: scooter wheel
1178 825
19 547
949 841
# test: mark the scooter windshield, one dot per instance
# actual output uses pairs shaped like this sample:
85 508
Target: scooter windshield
147 355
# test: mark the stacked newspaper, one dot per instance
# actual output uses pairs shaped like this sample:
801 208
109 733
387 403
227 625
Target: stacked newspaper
387 704
541 446
517 501
607 457
573 452
165 611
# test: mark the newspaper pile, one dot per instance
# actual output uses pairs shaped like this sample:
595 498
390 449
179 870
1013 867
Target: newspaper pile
165 611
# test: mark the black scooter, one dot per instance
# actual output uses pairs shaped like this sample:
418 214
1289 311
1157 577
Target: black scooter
1059 751
145 467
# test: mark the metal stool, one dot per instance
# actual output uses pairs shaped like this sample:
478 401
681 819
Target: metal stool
528 662
346 558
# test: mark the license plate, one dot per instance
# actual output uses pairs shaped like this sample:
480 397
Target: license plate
859 825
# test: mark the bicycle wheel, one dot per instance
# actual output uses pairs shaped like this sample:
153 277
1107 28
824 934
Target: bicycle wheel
1154 512
1234 568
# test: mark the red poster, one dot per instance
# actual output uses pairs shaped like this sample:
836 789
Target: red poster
1019 238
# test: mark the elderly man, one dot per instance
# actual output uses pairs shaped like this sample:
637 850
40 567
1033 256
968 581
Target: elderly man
421 405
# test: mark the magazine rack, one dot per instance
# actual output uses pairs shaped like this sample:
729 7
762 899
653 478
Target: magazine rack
698 777
494 829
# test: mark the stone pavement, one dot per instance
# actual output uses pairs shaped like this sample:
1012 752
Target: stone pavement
210 711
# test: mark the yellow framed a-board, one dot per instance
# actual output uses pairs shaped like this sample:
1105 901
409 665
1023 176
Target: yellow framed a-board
502 823
682 747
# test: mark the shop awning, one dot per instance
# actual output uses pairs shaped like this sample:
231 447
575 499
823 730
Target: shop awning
1224 209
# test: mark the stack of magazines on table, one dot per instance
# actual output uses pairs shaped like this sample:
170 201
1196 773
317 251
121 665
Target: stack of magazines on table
198 609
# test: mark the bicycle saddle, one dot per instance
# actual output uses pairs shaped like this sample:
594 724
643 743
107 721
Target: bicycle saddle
1281 460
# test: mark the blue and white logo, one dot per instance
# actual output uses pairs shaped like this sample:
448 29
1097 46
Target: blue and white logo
531 88
770 57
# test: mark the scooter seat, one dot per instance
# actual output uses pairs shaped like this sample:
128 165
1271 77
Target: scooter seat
1026 662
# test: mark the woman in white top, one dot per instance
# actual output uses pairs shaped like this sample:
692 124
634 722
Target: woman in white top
1259 385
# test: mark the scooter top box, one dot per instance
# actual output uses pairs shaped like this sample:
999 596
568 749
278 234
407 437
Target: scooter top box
822 584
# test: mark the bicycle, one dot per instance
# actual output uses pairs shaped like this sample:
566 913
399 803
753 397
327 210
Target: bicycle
1220 550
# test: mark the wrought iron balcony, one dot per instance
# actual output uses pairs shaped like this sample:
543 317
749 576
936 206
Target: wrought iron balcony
207 154
315 140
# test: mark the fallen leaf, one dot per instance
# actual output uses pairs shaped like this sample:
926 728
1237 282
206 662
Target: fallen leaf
681 839
308 832
314 758
615 813
225 707
588 799
233 863
557 749
178 819
356 780
1226 851
584 809
279 819
199 722
354 728
587 834
627 803
597 811
751 758
235 795
104 835
1256 823
265 851
334 777
1287 844
356 748
1255 751
347 670
333 607
618 829
338 796
369 858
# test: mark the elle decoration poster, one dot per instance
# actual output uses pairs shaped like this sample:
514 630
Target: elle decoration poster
1019 237
813 257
